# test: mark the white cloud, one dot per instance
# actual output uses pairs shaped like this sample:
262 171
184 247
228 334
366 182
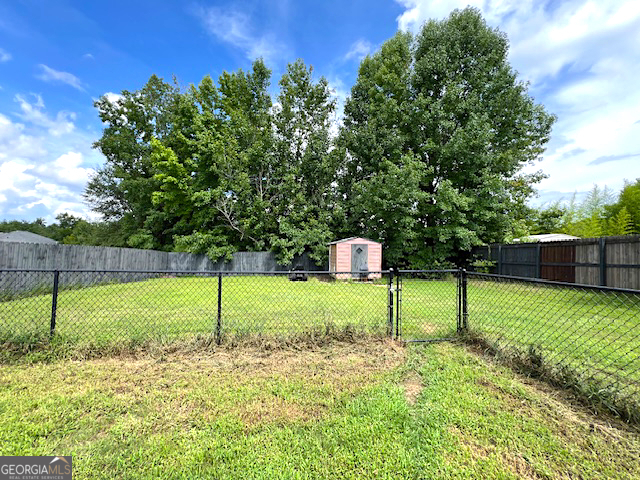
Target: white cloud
88 56
66 170
11 173
69 169
358 50
50 75
15 143
582 58
35 114
235 28
4 55
44 162
113 97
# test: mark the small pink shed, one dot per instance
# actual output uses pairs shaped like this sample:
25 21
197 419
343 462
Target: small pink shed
355 254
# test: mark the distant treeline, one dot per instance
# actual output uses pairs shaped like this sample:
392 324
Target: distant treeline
601 213
71 229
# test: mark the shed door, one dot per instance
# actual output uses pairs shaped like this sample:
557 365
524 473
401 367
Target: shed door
359 258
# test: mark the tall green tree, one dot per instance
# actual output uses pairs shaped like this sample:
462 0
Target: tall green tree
122 189
629 200
548 219
256 176
216 189
620 223
449 100
588 218
303 166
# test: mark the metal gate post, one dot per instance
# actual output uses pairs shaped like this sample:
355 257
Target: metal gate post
390 328
398 304
459 301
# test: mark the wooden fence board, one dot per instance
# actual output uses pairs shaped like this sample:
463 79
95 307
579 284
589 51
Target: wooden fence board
581 258
623 254
558 254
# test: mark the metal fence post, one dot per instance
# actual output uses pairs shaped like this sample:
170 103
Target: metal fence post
54 302
219 325
459 301
390 329
465 312
398 304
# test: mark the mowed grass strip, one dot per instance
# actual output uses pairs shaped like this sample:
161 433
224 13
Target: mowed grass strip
359 410
493 423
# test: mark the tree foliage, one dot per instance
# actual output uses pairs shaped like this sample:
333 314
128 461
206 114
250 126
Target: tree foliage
629 200
220 168
447 111
600 213
428 160
70 229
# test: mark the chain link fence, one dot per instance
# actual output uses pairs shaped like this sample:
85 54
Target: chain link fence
586 338
582 337
112 307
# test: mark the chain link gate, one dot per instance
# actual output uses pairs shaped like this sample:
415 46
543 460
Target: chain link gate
430 305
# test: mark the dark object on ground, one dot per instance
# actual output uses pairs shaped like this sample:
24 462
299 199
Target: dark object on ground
297 274
364 273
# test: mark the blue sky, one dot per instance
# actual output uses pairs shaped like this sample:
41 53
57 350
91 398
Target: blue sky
581 57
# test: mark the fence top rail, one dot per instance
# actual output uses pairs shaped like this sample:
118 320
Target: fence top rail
196 272
449 270
555 283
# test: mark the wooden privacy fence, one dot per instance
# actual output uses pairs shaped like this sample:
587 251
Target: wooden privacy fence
44 256
605 261
41 260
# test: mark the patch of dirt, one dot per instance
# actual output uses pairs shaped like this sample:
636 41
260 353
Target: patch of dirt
476 450
278 411
519 466
412 387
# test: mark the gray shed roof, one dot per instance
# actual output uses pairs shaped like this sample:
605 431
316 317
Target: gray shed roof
351 238
24 237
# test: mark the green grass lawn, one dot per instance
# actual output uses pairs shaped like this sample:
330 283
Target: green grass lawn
374 410
170 307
